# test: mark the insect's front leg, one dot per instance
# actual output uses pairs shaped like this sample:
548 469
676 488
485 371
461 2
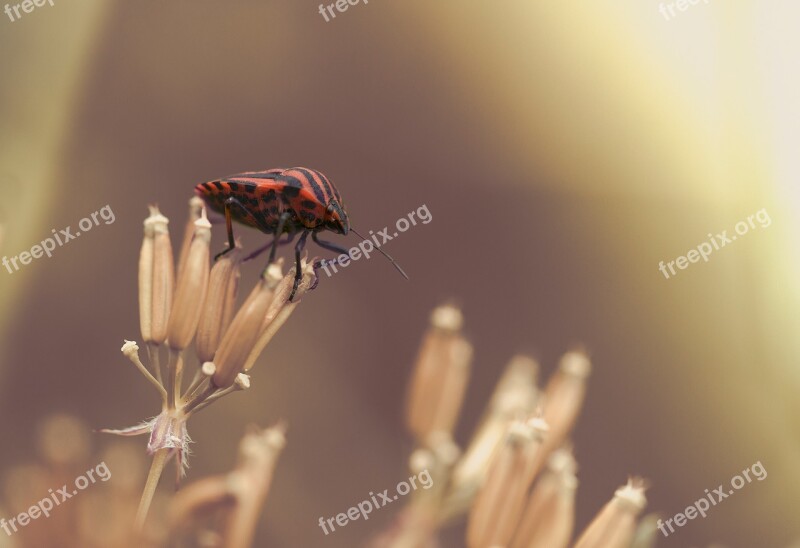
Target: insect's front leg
330 246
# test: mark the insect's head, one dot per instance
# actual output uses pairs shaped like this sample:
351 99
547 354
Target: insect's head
336 218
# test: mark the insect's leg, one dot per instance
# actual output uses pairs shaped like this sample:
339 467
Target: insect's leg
330 246
267 245
229 203
298 270
285 216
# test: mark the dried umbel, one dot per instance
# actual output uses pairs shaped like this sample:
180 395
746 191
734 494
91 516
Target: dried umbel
516 479
200 305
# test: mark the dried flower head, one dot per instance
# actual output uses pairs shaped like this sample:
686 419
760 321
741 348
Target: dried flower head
201 305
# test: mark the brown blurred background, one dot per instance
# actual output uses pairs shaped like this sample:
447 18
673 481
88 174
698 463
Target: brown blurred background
563 151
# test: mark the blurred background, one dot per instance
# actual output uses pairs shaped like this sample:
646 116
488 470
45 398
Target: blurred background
563 151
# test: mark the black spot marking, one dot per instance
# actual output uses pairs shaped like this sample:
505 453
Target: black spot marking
218 185
234 186
250 188
291 191
269 196
308 204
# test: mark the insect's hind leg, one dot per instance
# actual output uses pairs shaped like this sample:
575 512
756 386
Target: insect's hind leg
229 203
298 269
285 216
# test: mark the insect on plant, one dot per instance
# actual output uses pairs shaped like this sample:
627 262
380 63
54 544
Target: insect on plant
293 201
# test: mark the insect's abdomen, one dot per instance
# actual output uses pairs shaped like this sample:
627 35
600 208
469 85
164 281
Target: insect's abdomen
214 194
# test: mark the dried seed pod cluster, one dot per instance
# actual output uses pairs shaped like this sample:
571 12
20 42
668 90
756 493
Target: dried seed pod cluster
515 481
200 306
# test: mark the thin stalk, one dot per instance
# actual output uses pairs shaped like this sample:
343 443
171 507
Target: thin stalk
150 377
195 384
178 360
200 397
156 468
170 386
155 360
210 399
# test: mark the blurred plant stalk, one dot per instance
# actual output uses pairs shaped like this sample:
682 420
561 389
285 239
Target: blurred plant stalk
199 303
37 120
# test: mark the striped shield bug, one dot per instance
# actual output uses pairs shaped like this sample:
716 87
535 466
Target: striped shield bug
293 201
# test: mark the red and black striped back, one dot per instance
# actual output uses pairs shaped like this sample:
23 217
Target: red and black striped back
264 195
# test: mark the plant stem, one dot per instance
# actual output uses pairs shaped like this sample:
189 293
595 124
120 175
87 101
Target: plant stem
159 460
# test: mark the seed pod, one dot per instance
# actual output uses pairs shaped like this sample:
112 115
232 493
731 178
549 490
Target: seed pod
280 309
615 525
496 511
514 398
563 400
146 278
190 292
440 376
549 516
163 277
243 333
195 211
218 308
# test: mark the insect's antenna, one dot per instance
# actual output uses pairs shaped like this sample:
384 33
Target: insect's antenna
397 266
